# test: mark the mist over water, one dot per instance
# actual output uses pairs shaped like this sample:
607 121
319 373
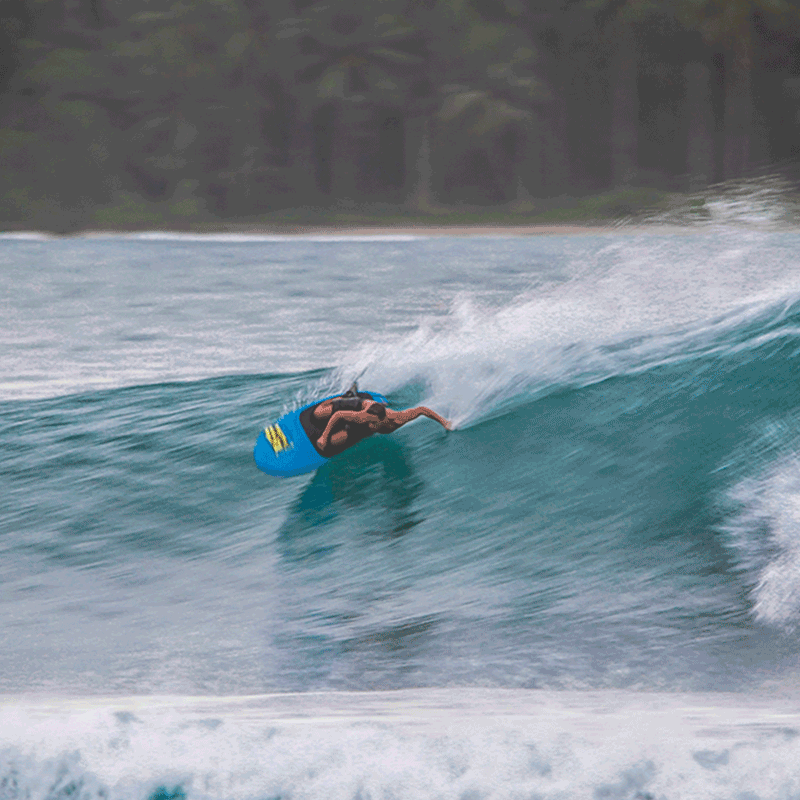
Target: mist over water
613 523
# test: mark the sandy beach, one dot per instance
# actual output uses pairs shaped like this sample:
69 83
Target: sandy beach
460 230
429 230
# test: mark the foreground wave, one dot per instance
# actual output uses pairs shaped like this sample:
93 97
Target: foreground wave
413 744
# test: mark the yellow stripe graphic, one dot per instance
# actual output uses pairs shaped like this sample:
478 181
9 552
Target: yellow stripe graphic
277 438
272 438
282 436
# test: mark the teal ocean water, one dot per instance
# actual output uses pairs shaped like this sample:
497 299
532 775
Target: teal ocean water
591 588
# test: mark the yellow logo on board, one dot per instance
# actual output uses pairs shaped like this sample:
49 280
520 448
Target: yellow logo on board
277 438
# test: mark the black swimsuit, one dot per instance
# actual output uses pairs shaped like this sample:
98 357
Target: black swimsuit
356 431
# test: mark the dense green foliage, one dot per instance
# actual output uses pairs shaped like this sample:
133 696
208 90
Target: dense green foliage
120 113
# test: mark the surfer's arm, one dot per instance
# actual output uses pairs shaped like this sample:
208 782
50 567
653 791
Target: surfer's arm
402 417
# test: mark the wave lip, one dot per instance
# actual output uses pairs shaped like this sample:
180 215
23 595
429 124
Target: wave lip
479 360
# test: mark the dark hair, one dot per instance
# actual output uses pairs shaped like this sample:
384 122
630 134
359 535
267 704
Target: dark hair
378 409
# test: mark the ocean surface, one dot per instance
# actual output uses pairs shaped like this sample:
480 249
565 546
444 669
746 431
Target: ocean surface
589 589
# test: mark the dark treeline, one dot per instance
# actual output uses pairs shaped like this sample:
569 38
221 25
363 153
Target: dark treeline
113 110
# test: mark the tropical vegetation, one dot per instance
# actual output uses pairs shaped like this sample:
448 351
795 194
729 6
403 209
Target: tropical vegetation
136 113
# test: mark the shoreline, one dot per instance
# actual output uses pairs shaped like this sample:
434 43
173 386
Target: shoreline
385 230
344 230
432 230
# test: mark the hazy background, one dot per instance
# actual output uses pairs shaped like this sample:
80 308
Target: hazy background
153 113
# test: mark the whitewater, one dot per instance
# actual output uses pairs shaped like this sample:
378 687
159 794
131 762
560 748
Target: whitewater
589 589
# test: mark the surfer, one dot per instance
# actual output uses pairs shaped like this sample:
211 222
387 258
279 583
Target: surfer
353 417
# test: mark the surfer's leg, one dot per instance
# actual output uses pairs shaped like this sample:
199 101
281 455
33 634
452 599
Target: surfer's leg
323 410
338 438
335 440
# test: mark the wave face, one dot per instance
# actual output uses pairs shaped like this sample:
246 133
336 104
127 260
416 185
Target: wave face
618 509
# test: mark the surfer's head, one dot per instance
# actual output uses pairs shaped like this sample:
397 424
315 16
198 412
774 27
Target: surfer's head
378 409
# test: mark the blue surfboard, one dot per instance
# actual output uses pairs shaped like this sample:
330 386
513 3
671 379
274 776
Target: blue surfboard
284 448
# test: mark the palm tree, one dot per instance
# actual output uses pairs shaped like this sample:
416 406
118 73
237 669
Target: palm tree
347 68
56 144
15 21
490 112
616 27
729 25
194 118
590 58
497 118
699 125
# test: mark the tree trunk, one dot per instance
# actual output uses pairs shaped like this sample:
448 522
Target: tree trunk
625 111
344 158
555 146
738 127
529 173
419 173
699 126
553 128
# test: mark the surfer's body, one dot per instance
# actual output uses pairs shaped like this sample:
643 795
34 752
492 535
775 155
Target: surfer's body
306 438
342 416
